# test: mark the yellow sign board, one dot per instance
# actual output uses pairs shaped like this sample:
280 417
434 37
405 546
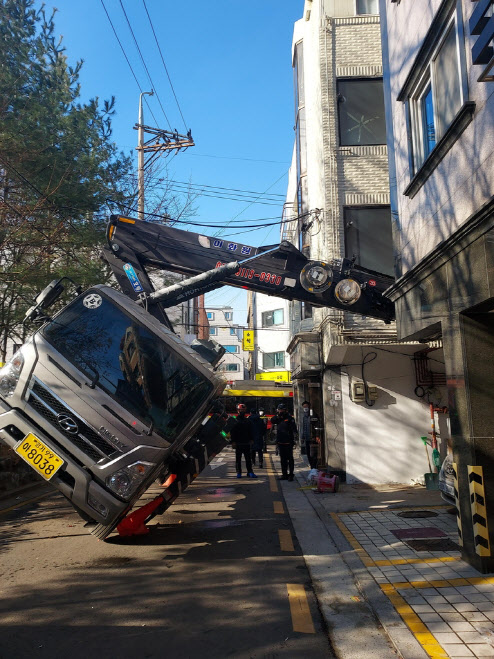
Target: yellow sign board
248 340
276 376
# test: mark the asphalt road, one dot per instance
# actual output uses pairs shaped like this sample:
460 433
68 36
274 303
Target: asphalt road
220 575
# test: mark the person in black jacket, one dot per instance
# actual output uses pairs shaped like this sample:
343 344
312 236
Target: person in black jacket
258 431
242 440
286 433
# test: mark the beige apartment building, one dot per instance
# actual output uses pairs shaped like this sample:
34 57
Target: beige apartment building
438 60
338 205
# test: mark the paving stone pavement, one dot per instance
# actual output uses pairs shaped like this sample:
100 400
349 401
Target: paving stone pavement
446 604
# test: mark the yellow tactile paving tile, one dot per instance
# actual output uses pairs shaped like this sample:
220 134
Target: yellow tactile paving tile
413 622
299 609
446 583
278 508
411 612
412 561
370 562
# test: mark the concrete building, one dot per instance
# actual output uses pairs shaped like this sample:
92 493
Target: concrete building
228 334
438 60
270 318
338 205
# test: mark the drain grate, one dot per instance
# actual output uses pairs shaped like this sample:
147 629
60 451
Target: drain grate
417 514
432 544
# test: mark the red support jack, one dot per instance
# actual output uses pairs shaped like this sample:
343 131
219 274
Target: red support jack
134 524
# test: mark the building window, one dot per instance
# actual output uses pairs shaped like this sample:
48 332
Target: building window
213 331
233 331
438 94
228 315
368 236
361 112
270 318
210 315
229 368
231 348
273 360
367 7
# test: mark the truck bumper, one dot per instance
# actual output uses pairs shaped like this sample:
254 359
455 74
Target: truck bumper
72 480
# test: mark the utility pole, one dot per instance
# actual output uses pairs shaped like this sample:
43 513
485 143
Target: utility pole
159 142
140 157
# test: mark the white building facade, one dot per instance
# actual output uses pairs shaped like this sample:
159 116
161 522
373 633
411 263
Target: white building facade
338 205
224 331
272 335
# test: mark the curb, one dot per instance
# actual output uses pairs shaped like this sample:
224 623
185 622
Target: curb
358 614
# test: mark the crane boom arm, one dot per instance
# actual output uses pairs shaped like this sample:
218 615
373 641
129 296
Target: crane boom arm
134 246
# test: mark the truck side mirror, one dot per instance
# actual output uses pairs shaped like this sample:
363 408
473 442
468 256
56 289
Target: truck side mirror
49 294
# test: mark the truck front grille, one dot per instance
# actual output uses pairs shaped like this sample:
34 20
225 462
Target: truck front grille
86 439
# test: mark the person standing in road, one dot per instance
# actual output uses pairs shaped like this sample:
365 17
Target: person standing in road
306 435
258 431
242 441
265 435
286 433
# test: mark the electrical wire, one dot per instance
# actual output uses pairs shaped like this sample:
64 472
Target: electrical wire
200 193
269 188
209 155
127 59
365 360
163 60
218 192
153 86
203 185
212 226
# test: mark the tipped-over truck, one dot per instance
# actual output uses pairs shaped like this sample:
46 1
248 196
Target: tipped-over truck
104 398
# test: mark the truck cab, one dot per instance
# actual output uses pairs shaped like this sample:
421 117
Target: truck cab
99 398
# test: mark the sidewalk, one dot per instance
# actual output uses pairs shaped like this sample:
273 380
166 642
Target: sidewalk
386 569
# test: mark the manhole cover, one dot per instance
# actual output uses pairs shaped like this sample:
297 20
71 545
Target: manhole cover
419 532
432 544
416 514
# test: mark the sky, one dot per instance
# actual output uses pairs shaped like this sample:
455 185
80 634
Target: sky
230 67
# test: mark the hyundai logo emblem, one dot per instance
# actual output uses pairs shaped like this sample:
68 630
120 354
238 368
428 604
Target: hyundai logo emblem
67 424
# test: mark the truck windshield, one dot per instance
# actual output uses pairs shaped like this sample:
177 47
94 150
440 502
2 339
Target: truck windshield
133 365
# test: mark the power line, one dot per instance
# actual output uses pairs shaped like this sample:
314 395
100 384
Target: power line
186 188
249 205
217 187
237 190
163 60
153 86
127 59
200 193
275 197
208 155
212 226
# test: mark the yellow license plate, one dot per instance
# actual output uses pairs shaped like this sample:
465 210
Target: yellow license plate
40 457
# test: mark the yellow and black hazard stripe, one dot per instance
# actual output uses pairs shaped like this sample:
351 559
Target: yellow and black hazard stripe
479 512
457 503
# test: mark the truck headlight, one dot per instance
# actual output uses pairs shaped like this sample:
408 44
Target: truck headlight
126 480
9 375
